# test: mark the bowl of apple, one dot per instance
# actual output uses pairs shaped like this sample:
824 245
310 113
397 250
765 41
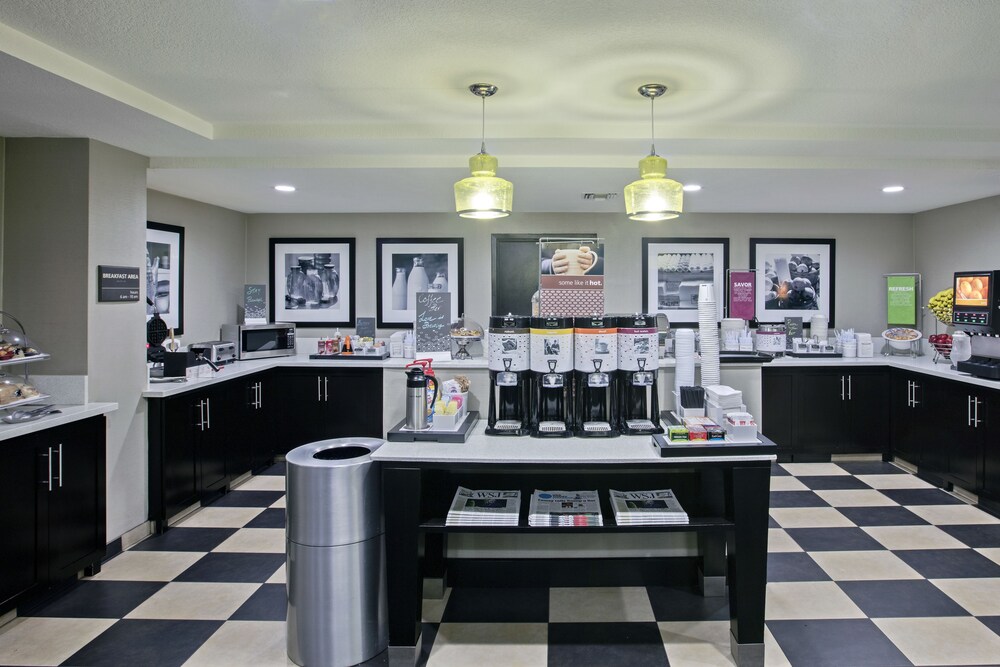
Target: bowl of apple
941 343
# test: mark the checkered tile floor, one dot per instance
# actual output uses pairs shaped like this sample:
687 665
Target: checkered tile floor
867 565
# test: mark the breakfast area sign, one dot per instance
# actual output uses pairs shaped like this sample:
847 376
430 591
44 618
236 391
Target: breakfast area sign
117 283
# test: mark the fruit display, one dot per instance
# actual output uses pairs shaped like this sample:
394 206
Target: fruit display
940 305
941 344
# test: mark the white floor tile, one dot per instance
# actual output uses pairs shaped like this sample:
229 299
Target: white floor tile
778 541
900 538
952 515
856 498
697 642
242 643
431 611
488 644
221 517
254 540
195 600
898 481
147 565
47 641
773 655
942 641
279 503
810 517
808 600
979 597
784 483
263 483
278 577
863 565
595 605
807 469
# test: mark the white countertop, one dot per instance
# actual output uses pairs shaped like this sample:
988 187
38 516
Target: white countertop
923 365
68 413
482 448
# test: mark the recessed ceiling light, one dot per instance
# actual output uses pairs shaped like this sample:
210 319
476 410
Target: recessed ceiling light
285 188
692 187
893 188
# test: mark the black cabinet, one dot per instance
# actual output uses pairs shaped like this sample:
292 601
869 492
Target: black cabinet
911 416
252 408
331 403
989 421
52 507
813 413
965 416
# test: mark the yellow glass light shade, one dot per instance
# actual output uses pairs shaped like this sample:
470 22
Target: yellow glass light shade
653 197
483 196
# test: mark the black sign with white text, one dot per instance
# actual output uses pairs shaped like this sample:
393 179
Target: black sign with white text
118 283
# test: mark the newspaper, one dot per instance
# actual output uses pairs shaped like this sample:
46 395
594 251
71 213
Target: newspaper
647 508
484 508
565 508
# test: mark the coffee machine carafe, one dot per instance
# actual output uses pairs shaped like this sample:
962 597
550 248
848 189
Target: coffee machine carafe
638 368
595 343
551 376
509 353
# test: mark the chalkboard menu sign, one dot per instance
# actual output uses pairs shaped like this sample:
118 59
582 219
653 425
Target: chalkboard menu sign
433 322
255 304
793 329
366 327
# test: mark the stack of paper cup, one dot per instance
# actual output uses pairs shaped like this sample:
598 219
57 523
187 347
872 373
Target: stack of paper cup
684 354
819 327
708 330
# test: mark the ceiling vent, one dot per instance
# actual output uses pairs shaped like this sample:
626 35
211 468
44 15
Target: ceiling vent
606 196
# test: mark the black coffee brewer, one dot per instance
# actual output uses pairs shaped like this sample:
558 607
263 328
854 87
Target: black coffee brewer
638 368
596 360
551 377
509 354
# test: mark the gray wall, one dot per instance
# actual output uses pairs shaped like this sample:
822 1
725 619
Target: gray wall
45 247
214 261
3 162
867 247
117 337
963 237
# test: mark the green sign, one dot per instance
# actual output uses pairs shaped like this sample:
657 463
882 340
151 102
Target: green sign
902 307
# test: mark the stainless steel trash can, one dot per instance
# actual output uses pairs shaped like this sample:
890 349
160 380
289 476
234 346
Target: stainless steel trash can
335 544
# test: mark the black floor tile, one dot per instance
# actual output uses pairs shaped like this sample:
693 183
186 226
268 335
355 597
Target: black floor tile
921 497
778 471
150 643
793 566
633 644
797 499
497 605
683 604
871 468
100 599
975 536
277 469
251 568
949 563
832 482
248 499
992 622
186 539
835 643
901 599
882 516
268 603
834 539
771 523
269 518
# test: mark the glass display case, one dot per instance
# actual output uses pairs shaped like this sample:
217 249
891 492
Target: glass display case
16 350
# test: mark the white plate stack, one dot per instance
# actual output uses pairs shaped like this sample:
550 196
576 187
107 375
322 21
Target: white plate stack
684 354
708 328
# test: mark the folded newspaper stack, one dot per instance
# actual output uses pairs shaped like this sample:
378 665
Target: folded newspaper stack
565 508
484 508
647 508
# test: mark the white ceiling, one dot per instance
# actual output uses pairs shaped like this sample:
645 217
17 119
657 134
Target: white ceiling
774 105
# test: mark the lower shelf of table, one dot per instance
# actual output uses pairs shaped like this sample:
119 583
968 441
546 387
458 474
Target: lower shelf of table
699 524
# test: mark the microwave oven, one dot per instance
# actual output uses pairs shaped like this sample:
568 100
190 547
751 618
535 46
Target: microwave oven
257 341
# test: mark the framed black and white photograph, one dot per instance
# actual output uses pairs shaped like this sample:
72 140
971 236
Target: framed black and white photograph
165 274
516 270
795 278
312 281
404 267
674 268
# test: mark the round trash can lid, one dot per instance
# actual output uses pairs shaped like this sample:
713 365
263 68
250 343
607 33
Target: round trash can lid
335 452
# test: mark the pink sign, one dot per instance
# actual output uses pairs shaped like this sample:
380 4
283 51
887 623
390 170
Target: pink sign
741 298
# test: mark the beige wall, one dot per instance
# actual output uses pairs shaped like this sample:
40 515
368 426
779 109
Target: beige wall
45 247
3 161
963 237
214 261
868 246
117 337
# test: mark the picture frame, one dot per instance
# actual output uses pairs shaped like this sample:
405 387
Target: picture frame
786 290
165 274
405 266
672 270
515 270
325 301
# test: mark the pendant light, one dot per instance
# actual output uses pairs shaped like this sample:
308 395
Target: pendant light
653 197
483 195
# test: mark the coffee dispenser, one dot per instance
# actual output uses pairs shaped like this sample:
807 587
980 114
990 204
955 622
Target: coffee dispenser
551 376
595 343
509 354
638 368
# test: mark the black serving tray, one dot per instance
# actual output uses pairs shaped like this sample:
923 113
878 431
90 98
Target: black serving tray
667 449
354 356
744 357
981 367
814 355
398 434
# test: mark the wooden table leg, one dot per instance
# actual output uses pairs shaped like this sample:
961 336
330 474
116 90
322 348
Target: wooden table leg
748 562
401 505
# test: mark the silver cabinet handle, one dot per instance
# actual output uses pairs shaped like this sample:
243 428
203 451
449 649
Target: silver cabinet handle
841 387
319 388
849 392
915 401
912 400
60 465
975 414
208 414
909 394
201 415
260 395
49 481
326 389
968 410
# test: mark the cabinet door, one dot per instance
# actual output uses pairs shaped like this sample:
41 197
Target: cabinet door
353 406
964 444
301 409
19 483
990 423
776 389
75 510
262 421
241 407
906 405
211 452
867 390
182 417
818 412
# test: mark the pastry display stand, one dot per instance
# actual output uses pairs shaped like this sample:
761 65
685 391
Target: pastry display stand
10 410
